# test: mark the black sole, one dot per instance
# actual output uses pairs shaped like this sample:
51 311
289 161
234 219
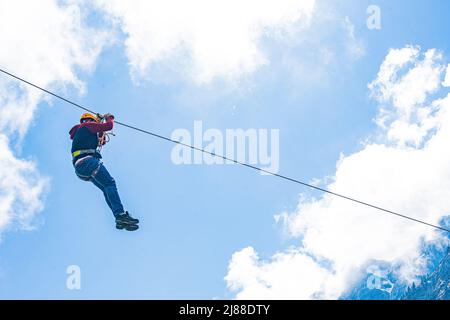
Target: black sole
136 221
128 227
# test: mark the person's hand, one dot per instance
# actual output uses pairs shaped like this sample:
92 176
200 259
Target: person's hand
108 116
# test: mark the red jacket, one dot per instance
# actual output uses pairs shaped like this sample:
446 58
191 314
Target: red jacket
86 136
93 127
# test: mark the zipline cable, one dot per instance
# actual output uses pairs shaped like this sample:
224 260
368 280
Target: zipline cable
232 160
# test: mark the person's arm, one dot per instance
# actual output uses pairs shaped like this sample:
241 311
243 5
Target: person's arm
95 127
73 131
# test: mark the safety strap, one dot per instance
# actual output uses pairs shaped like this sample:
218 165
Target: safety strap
86 151
93 174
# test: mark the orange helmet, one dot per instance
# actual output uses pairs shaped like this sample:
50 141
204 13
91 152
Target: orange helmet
89 116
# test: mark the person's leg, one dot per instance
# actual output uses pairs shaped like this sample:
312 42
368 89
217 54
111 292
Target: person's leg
103 178
98 185
85 167
84 171
93 170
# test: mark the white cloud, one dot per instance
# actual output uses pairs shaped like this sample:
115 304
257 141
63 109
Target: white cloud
355 46
446 82
407 94
21 188
218 38
267 280
312 58
45 42
411 179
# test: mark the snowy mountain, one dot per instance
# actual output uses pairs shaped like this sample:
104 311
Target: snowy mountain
380 283
435 286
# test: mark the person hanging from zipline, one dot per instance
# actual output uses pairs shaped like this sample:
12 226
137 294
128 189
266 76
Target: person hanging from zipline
88 137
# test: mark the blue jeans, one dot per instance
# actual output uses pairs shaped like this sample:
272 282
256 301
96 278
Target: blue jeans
92 169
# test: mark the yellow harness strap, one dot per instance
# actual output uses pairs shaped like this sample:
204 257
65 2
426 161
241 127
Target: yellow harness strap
87 151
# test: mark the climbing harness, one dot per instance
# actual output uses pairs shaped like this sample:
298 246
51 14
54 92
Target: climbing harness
94 172
80 152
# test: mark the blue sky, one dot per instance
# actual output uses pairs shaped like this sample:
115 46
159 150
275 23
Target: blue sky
193 218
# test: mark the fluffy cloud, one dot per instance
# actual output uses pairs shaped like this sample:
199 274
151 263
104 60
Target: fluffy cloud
21 188
219 37
407 93
406 170
45 42
268 280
